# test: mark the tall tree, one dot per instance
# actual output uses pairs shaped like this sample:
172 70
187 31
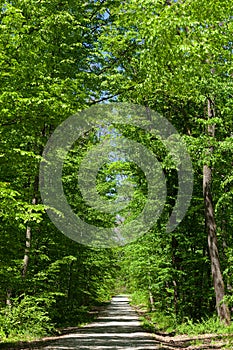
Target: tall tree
182 55
49 70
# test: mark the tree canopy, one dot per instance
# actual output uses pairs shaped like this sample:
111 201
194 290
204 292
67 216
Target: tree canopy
61 57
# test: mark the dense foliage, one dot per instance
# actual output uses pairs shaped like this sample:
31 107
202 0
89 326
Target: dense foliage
49 63
180 64
60 57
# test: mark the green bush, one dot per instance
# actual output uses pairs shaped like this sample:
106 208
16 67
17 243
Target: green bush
140 299
209 325
27 316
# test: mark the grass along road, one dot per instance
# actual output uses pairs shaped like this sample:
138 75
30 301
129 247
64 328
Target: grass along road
118 328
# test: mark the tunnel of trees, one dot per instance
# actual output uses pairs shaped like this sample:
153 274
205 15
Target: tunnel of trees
61 57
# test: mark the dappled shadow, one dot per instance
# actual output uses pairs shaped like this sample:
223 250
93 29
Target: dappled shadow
117 328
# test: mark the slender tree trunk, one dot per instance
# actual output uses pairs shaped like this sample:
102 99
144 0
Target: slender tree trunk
8 297
151 298
175 267
34 202
69 282
175 293
222 308
26 251
29 234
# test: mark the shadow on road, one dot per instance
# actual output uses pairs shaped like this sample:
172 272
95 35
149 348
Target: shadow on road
117 328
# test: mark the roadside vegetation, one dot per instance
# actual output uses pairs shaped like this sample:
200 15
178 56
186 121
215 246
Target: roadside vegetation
58 58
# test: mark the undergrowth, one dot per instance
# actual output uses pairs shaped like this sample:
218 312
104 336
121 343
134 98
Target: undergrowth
208 325
26 319
160 321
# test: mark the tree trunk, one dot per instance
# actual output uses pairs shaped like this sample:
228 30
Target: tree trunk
29 234
69 282
26 251
8 297
176 266
34 202
222 308
151 298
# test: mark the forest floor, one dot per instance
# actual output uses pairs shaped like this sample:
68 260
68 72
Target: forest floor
118 328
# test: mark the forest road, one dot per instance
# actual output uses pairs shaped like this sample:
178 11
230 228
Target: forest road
116 328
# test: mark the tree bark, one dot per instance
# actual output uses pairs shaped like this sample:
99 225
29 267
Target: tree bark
151 298
222 308
8 297
29 234
26 251
175 267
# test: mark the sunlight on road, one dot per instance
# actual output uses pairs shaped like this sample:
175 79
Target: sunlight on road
117 328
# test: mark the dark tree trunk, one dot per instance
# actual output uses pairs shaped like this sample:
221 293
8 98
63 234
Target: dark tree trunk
176 266
222 308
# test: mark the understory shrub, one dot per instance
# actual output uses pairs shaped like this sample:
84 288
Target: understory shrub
27 316
208 325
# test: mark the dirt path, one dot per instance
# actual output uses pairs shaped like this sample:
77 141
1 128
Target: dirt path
117 327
